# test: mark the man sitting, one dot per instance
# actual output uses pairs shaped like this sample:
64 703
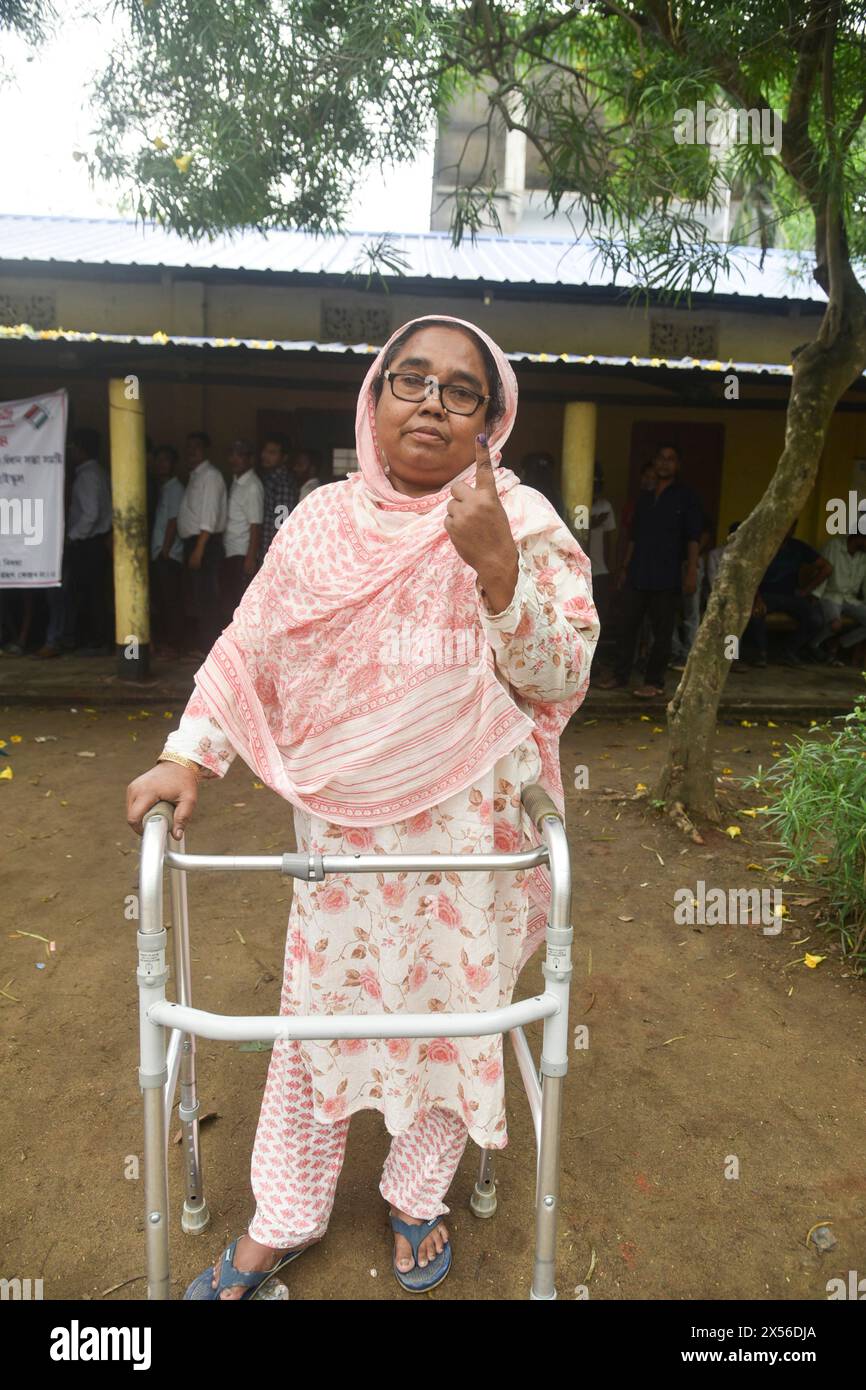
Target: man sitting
841 594
787 587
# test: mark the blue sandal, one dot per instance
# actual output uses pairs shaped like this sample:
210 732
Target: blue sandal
418 1280
202 1287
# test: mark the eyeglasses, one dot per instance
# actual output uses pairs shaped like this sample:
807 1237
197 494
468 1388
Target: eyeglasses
457 400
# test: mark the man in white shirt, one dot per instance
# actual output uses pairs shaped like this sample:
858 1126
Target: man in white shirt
307 467
243 533
841 593
201 520
602 522
166 554
84 615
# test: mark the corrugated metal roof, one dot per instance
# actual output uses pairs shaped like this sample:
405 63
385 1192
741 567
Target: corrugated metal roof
23 332
514 260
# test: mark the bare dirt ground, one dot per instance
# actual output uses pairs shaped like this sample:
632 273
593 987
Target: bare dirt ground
704 1043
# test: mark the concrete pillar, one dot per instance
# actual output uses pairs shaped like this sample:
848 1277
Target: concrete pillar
578 460
130 549
514 178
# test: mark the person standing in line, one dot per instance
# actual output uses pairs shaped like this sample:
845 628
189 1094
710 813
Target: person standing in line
646 483
684 633
281 489
201 520
667 529
539 471
602 522
243 531
166 554
84 611
308 471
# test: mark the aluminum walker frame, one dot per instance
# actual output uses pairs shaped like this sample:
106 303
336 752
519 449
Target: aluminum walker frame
162 1064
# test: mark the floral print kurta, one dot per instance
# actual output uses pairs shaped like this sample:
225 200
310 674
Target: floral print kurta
421 942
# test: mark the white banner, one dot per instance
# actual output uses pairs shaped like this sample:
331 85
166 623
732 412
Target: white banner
32 449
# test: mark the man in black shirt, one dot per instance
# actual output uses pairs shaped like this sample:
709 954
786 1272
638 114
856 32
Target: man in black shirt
794 572
666 532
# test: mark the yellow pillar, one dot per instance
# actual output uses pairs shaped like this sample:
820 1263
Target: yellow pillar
578 462
129 519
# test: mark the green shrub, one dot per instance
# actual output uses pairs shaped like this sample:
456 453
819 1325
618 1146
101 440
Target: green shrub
816 813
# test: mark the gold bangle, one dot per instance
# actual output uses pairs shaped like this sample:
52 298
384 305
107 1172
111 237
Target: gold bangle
168 757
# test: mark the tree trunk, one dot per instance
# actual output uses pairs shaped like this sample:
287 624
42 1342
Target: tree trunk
823 371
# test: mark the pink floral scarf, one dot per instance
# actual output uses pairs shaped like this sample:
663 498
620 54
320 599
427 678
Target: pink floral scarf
355 678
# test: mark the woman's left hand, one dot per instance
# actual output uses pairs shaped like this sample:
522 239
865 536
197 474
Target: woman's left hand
480 533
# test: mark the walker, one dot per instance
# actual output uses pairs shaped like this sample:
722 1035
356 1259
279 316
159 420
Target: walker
161 1063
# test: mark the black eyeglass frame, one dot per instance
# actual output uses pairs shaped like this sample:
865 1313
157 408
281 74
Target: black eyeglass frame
391 377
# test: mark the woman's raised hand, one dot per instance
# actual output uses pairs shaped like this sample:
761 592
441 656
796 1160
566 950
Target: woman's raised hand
480 532
164 782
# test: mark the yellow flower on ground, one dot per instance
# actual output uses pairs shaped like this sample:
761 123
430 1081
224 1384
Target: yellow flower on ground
733 831
813 961
6 774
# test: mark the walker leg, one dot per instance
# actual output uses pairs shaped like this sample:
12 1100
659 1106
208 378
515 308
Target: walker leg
156 1194
195 1216
483 1199
153 1073
556 970
547 1191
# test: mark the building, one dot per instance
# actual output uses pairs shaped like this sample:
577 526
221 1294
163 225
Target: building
243 335
474 146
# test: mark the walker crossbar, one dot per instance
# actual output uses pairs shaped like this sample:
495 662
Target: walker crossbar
323 1027
163 1062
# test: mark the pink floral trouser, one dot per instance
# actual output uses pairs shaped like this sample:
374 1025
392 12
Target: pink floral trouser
297 1160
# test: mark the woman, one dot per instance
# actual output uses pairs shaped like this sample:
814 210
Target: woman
403 663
